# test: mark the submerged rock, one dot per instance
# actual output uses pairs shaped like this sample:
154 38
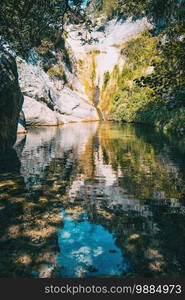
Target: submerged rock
11 100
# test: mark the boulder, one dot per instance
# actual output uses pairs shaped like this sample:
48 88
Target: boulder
38 114
76 107
11 100
36 84
49 102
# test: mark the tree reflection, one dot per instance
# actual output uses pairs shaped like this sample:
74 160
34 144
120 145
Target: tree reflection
128 179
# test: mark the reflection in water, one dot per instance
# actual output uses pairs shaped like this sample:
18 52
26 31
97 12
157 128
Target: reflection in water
121 192
87 249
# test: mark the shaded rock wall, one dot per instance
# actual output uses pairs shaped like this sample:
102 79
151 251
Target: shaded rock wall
11 100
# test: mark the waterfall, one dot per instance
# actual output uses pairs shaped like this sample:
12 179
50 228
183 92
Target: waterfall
96 102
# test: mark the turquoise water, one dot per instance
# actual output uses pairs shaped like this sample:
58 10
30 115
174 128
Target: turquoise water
87 249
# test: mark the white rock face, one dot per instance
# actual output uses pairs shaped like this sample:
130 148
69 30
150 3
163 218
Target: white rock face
74 110
47 103
114 34
36 84
21 129
75 107
37 113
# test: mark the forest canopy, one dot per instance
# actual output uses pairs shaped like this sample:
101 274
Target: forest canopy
154 9
25 23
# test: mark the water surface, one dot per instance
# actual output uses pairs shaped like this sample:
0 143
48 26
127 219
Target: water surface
93 200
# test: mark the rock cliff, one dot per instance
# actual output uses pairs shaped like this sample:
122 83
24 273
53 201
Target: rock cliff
11 100
49 101
58 90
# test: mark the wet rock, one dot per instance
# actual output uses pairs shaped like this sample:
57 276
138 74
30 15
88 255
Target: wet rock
11 100
22 124
21 129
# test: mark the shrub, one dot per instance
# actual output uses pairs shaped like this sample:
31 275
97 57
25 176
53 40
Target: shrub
57 72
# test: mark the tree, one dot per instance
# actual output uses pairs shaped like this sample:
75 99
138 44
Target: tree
119 8
168 78
25 23
155 10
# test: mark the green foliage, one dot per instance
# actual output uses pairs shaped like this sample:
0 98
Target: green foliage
110 8
120 8
168 78
93 70
57 72
159 11
150 87
168 10
106 79
94 52
124 96
25 23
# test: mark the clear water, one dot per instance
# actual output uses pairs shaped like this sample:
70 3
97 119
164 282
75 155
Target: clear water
87 249
93 200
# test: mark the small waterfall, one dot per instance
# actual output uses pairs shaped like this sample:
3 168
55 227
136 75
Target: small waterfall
96 102
100 114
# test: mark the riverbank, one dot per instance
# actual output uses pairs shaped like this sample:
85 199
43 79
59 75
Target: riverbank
170 122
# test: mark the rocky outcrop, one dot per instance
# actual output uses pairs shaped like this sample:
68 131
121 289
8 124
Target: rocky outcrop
74 110
11 100
35 83
38 113
76 107
100 60
48 102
